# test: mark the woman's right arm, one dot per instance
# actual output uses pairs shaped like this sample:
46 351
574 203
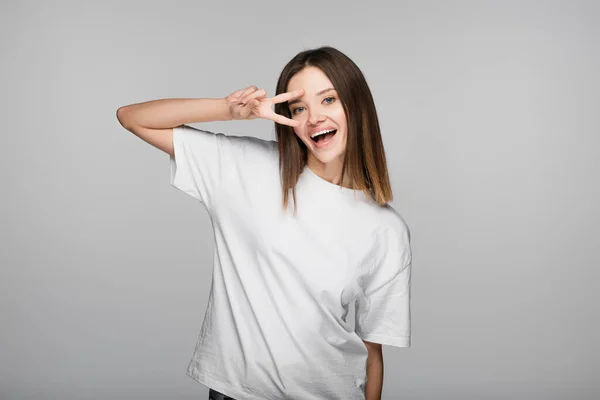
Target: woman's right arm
153 121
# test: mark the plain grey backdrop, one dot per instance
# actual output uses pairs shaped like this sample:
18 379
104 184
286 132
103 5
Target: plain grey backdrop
489 114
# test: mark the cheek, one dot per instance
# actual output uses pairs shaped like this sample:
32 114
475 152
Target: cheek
340 117
299 134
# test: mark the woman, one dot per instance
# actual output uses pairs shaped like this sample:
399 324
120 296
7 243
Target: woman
283 280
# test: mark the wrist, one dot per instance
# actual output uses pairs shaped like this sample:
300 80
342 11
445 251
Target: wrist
224 104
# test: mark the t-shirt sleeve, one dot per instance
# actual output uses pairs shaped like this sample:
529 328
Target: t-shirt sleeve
383 309
201 162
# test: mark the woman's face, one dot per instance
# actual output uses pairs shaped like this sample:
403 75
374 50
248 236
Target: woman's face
319 109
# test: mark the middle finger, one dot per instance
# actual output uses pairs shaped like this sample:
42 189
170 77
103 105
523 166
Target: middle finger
254 95
280 98
246 91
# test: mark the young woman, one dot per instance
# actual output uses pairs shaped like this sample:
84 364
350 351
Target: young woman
284 278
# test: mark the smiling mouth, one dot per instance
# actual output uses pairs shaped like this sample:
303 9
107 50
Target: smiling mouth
324 137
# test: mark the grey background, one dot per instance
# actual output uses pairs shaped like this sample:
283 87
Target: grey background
489 116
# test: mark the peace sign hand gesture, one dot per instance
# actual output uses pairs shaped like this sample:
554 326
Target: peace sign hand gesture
251 103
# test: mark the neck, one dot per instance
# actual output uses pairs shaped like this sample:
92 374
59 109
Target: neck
331 171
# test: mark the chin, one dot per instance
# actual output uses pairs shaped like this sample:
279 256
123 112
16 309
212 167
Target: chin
328 156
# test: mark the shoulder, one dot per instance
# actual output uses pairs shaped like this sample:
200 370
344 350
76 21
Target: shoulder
242 144
252 143
393 225
375 222
394 241
388 230
389 250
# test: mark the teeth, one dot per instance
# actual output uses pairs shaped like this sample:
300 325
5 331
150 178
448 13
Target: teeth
322 133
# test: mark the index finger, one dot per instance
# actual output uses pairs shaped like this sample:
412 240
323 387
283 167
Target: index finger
280 119
280 98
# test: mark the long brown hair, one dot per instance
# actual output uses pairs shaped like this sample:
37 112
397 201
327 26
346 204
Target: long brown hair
364 159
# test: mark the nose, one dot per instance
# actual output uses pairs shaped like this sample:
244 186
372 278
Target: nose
315 118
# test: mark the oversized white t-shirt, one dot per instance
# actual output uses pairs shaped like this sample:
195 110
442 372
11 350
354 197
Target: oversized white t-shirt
276 321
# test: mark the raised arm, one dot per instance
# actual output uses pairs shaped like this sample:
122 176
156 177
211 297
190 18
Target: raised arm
153 121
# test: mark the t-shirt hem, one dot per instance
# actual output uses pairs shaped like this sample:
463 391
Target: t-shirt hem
387 340
226 388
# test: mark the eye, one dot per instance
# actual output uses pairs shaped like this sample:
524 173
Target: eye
328 100
294 111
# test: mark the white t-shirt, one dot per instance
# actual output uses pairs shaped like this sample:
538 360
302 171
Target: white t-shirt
275 325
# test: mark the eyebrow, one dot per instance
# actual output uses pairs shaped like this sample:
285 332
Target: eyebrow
318 94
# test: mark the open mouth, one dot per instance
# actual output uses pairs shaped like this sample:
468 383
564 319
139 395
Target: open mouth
324 136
